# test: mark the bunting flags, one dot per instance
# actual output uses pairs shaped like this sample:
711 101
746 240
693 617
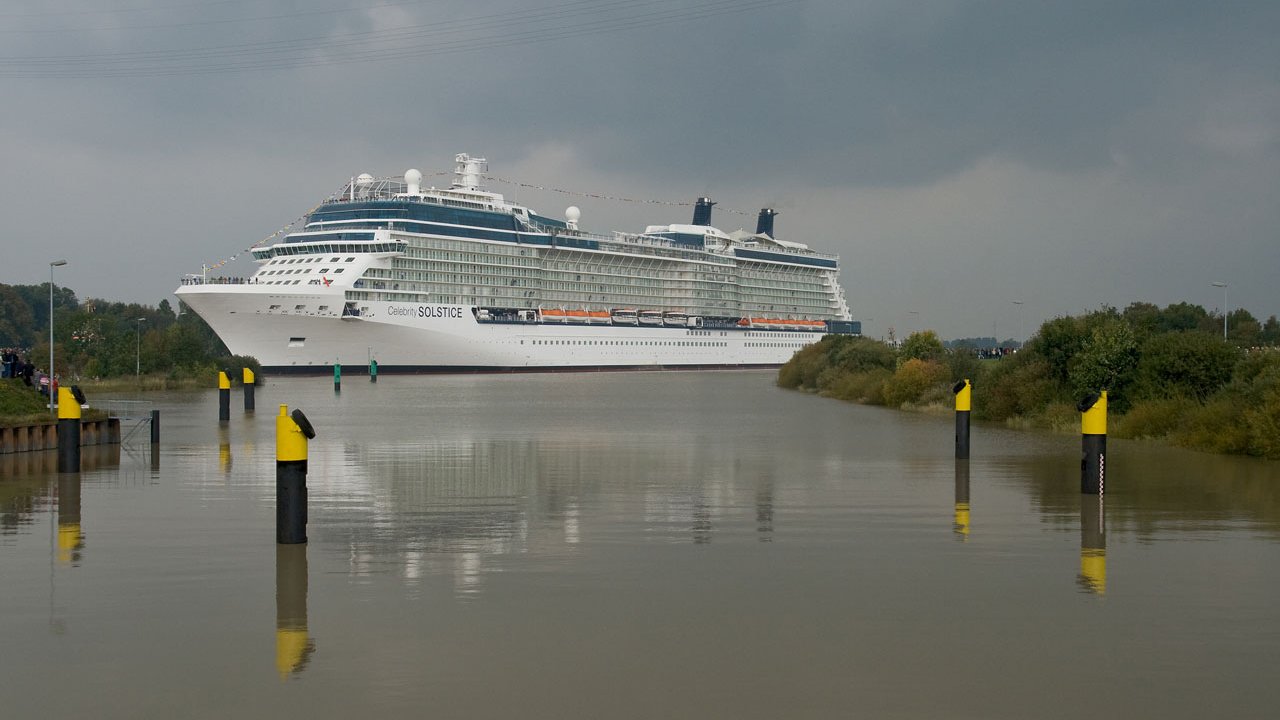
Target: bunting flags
599 196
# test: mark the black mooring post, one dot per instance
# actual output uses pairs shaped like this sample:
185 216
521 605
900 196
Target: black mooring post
224 398
68 430
337 377
248 390
1093 443
373 371
155 427
292 433
963 392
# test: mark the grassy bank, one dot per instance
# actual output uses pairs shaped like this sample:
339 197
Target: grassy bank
1174 385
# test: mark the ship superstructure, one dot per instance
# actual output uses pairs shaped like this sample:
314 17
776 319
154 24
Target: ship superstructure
428 279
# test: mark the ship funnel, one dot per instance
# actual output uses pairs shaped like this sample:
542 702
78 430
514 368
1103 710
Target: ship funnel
702 211
468 170
413 182
764 225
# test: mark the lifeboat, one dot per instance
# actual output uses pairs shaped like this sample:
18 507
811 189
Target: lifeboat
650 317
675 319
598 317
554 315
623 316
576 316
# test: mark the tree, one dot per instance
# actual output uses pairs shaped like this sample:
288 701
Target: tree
1183 364
16 319
1106 362
1183 316
1270 334
923 345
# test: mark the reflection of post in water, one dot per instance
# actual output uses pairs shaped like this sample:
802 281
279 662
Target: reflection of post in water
764 512
224 451
293 647
961 526
1093 545
70 534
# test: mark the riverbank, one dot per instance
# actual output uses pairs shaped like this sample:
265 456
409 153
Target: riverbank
22 406
1174 388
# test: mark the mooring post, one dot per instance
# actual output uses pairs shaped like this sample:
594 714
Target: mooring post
1093 443
963 392
292 433
961 525
248 390
224 398
373 371
1093 545
337 376
68 429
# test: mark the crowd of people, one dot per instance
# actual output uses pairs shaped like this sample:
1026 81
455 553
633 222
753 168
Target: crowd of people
16 368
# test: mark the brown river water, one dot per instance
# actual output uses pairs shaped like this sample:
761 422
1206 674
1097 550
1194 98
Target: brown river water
631 545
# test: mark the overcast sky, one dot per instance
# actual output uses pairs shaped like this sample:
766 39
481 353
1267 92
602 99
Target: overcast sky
959 156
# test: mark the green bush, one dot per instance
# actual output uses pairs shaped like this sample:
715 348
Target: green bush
863 387
911 381
1154 419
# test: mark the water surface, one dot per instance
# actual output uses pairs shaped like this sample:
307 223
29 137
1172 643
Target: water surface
632 545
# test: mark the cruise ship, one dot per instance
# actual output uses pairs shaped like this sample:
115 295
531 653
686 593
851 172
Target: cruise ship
421 279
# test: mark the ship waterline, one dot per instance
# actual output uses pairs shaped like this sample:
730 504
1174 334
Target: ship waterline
460 279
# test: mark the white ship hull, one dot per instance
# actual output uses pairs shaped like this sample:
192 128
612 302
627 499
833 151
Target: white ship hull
426 279
405 337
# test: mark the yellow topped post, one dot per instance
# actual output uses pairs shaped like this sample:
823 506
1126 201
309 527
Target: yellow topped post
68 430
68 406
292 432
291 444
964 395
1093 434
963 391
1093 419
224 398
248 390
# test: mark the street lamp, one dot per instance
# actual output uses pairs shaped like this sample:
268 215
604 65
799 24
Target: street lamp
1224 308
1020 336
137 355
52 265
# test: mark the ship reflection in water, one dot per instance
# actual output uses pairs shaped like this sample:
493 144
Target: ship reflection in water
455 507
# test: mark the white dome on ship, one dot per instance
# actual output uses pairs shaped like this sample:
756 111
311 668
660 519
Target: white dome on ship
364 179
412 177
572 214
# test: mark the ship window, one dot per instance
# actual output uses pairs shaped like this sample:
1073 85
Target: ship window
337 270
323 308
299 307
334 259
351 259
297 341
324 270
274 307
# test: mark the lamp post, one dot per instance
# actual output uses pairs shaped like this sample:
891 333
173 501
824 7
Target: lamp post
137 355
1224 308
52 265
1021 341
